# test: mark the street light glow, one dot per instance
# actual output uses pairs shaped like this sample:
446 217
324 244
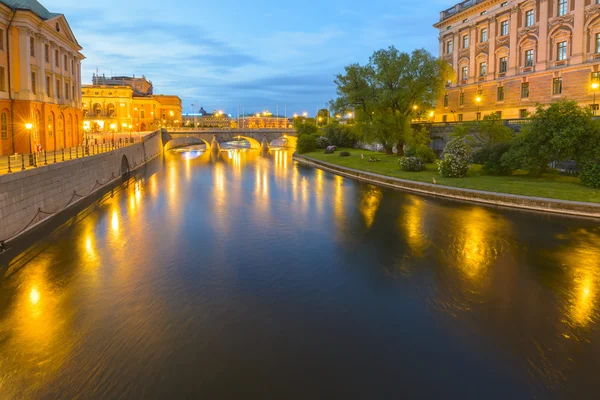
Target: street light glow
28 126
478 99
595 85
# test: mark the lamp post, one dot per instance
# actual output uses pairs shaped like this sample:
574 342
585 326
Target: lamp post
112 128
478 101
28 126
595 86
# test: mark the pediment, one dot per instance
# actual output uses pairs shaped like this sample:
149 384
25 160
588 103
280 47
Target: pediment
60 25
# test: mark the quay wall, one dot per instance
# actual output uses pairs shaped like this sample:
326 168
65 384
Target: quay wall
29 198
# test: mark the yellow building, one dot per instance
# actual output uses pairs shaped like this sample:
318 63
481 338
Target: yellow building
126 104
40 79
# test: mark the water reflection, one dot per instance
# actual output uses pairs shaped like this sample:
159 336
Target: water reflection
412 220
369 204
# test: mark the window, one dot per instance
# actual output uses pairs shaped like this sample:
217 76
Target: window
56 60
445 102
484 35
596 77
142 114
1 39
523 113
4 125
529 58
562 7
504 4
65 63
73 93
465 41
31 46
524 90
504 28
557 86
460 117
444 118
529 20
73 66
478 116
58 88
503 64
33 83
597 42
48 86
461 99
499 114
2 80
464 75
483 69
561 51
66 91
500 93
47 53
449 47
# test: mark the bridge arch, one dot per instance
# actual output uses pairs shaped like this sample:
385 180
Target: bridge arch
254 144
125 168
186 141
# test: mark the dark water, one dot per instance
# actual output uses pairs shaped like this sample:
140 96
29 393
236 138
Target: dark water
252 277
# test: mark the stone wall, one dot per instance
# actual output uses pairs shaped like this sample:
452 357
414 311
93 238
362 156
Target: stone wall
50 188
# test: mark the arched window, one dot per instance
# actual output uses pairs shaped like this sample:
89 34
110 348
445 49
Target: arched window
4 125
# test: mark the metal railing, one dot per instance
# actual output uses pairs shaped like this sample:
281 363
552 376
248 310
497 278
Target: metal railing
22 162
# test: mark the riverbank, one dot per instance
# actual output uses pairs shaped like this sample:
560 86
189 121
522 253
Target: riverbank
518 191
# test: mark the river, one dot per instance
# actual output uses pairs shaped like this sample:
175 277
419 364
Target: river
241 276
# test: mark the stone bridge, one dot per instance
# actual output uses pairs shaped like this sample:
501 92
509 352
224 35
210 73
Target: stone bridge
259 139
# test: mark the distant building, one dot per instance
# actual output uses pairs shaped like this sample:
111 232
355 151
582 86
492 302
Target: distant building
509 55
42 84
203 119
127 104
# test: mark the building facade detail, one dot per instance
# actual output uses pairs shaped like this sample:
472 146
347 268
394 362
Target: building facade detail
513 55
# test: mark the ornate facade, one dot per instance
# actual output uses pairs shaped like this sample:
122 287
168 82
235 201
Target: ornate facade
129 107
40 79
510 55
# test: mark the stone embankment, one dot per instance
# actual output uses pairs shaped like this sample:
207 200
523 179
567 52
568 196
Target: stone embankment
30 198
498 199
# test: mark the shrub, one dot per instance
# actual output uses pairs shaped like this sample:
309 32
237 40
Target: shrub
322 142
455 161
425 153
412 164
339 135
306 143
590 174
344 154
492 159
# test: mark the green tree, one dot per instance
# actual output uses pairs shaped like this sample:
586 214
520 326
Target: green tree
304 127
382 93
564 131
490 131
323 117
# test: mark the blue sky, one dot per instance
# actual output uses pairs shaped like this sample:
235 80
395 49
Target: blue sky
254 53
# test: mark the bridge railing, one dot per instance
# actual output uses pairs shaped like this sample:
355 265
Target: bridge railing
21 162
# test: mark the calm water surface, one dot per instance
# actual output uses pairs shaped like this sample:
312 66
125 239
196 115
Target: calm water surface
251 277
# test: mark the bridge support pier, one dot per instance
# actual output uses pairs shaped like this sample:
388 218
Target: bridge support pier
214 145
264 145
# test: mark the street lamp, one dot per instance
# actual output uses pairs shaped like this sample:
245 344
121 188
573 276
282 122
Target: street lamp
478 101
113 127
28 126
595 86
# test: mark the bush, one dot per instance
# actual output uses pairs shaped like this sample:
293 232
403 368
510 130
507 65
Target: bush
590 174
492 159
306 143
412 164
339 135
344 154
322 142
425 153
455 161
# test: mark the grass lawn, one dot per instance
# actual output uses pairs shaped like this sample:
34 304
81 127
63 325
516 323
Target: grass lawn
551 185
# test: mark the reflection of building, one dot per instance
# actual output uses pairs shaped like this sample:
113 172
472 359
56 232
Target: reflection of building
510 55
41 85
122 104
216 119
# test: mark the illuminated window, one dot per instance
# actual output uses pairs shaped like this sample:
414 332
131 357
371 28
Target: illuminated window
2 80
524 90
33 83
529 58
500 93
504 28
4 126
529 18
503 64
461 99
484 37
483 69
561 51
557 86
562 7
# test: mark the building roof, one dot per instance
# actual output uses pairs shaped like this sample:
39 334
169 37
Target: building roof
30 5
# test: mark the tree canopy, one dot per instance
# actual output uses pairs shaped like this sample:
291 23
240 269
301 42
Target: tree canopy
382 94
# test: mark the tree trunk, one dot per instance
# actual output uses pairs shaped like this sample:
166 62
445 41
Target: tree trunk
389 150
400 148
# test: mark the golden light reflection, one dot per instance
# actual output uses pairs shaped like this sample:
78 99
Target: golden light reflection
370 204
476 242
114 221
338 200
319 195
412 219
34 296
582 258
